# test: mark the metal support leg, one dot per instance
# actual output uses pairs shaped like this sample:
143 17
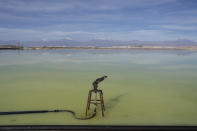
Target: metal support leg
95 101
101 102
88 102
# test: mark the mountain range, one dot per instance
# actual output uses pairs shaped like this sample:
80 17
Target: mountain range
99 43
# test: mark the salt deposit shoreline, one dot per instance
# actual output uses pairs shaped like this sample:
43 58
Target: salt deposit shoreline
8 47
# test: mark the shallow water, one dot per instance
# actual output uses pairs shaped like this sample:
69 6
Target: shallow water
142 88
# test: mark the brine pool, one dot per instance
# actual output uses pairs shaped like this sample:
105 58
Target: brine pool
142 88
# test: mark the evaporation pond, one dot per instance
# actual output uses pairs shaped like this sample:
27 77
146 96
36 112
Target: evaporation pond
142 88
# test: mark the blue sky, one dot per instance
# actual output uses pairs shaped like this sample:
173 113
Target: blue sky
149 20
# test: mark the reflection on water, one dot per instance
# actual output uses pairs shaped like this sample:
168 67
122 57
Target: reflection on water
143 87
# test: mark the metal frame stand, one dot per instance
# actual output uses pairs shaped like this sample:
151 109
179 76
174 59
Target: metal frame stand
95 101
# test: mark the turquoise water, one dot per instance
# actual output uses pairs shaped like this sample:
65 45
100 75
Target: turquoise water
142 88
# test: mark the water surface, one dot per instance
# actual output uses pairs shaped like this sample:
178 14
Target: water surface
143 87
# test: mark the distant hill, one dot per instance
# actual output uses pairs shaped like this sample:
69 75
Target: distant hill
99 43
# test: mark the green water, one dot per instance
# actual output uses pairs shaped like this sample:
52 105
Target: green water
142 88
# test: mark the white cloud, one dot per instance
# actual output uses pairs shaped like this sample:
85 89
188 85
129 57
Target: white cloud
29 34
146 35
35 5
68 38
59 5
177 27
159 35
18 34
44 39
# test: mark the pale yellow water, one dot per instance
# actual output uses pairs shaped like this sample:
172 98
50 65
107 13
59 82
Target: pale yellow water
142 88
